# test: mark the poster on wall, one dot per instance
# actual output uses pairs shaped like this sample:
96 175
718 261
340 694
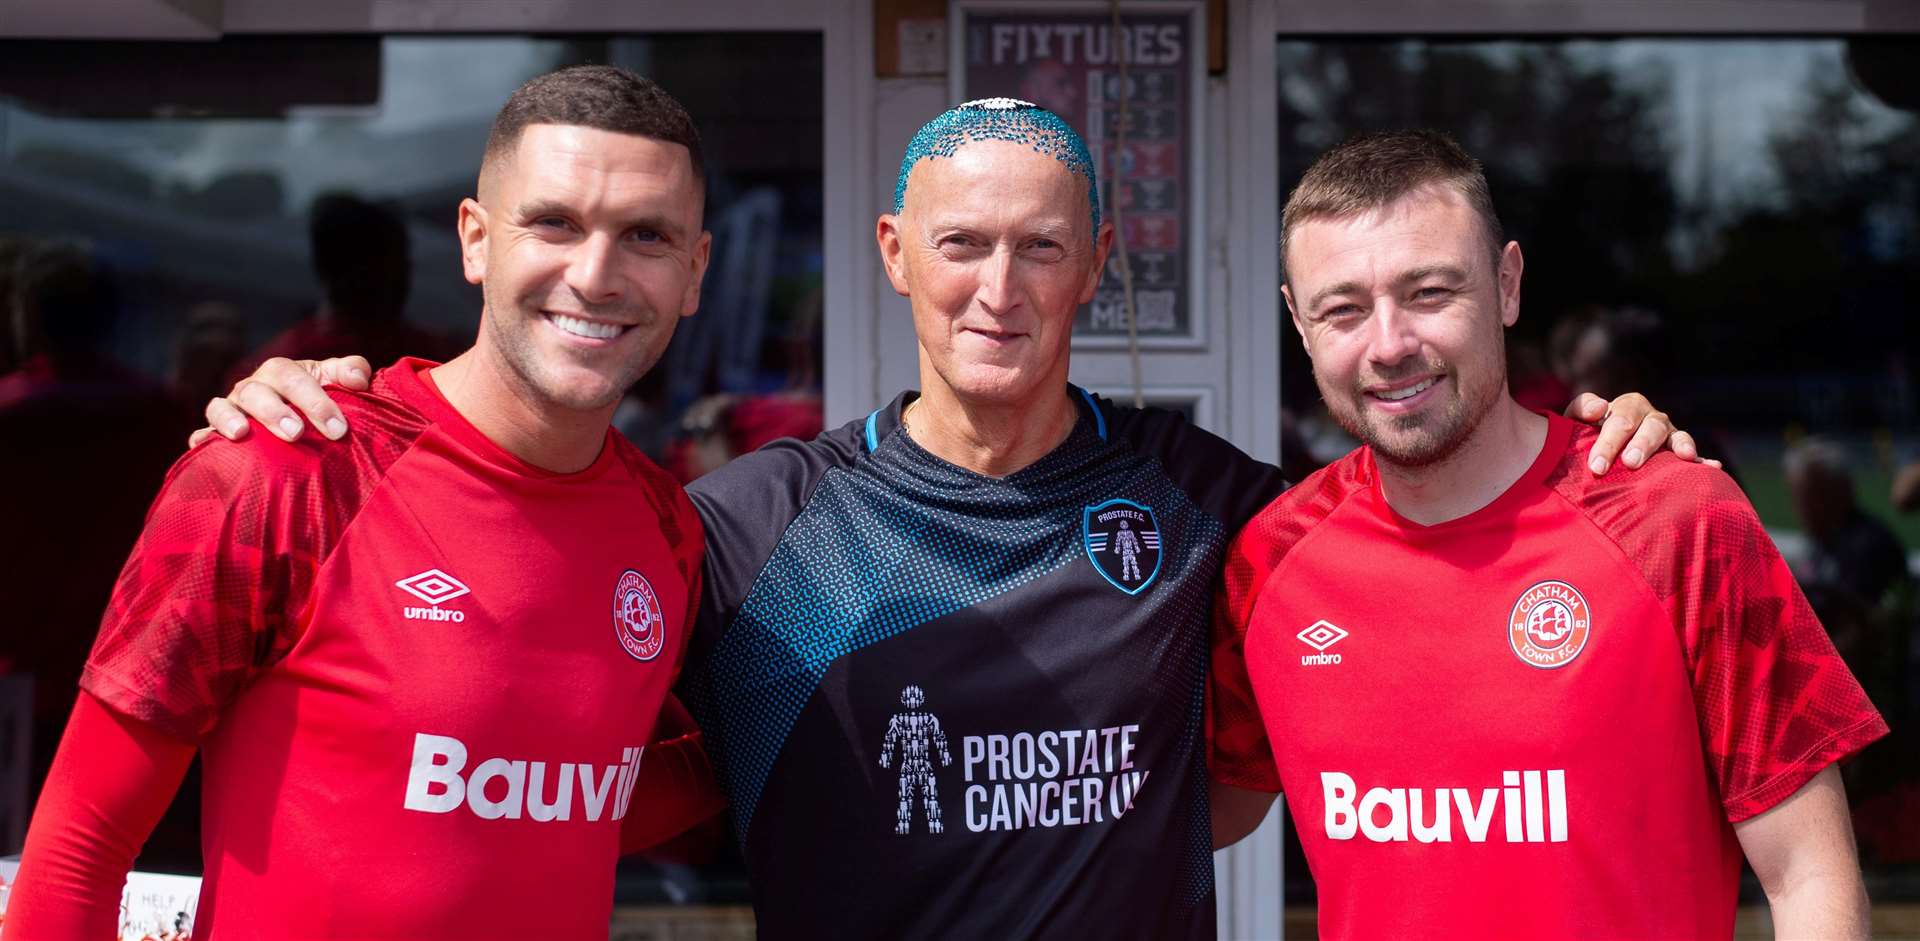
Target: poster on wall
1067 57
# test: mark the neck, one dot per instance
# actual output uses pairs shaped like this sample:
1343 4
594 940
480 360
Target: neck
994 440
1496 453
488 393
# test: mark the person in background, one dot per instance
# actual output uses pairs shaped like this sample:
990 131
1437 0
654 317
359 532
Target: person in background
72 502
1848 549
363 259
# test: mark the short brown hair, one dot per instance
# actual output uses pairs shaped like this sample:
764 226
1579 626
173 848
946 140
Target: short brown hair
1369 171
602 97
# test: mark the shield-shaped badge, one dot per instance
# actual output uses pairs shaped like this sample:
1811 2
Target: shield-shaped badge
1123 543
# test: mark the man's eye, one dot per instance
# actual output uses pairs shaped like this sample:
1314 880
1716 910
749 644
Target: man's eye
1045 244
1431 294
550 222
645 235
1340 312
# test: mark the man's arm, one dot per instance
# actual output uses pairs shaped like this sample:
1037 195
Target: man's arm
281 391
1803 852
1237 812
111 780
676 783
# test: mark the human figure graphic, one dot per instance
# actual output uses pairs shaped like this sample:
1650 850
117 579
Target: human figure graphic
1126 542
918 735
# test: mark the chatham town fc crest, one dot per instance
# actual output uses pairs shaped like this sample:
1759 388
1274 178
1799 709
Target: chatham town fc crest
636 616
1123 542
1549 624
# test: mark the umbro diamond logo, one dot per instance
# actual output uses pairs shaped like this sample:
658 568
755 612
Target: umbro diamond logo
435 588
1321 635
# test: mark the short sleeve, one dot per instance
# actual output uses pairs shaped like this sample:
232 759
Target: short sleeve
1239 752
213 588
1776 704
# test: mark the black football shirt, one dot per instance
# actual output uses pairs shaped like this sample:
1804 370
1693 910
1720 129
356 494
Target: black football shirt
950 705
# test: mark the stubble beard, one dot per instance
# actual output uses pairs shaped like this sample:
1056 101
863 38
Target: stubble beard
514 341
1425 438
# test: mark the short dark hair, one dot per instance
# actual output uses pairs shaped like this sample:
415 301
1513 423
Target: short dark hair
603 97
1369 171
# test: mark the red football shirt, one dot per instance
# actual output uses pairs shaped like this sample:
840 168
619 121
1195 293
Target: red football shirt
1538 720
420 670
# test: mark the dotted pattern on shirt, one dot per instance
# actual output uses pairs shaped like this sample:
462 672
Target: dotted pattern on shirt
901 540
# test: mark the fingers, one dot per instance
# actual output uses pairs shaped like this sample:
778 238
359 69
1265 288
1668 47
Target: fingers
199 437
1651 436
1684 447
1687 449
1614 432
265 406
280 382
1588 408
353 372
223 417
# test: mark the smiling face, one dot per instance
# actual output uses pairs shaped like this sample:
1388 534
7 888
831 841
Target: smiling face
992 247
1403 311
588 249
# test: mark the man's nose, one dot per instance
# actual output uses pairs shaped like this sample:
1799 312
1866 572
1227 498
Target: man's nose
593 268
996 291
1391 334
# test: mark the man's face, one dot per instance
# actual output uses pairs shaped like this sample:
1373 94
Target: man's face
1402 310
993 248
588 248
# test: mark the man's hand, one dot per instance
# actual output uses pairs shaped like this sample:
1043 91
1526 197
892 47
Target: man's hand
1630 422
1803 852
266 395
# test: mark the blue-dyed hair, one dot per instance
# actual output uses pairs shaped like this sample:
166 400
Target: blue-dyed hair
1008 119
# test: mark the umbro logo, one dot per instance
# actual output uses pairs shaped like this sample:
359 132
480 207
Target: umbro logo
1320 635
435 588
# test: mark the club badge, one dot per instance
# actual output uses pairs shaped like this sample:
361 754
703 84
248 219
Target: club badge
1549 625
1123 543
636 616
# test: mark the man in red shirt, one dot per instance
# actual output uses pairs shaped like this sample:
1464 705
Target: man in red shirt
1542 703
422 669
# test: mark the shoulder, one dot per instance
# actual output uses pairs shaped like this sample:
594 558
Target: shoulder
1272 534
311 470
1163 432
1673 519
1664 494
746 505
679 522
1218 476
782 470
1285 522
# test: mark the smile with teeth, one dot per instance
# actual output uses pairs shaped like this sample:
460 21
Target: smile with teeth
1395 395
586 328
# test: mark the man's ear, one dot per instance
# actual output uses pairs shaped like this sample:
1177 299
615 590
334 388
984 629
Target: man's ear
1293 311
472 229
1511 264
702 253
893 252
1102 247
